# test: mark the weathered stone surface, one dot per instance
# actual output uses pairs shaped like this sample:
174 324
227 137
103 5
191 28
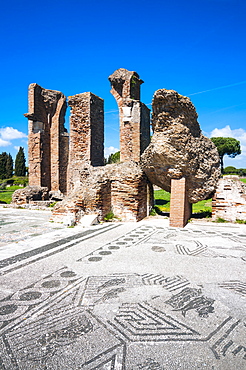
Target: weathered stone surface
86 134
47 138
56 195
179 149
29 194
134 115
122 188
229 201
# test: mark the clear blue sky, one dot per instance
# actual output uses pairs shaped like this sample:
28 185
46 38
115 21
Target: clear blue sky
196 47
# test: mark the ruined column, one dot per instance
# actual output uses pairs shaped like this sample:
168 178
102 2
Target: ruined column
180 208
86 134
134 115
47 138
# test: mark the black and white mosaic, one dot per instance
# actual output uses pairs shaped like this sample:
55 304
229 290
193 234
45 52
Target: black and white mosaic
66 321
121 321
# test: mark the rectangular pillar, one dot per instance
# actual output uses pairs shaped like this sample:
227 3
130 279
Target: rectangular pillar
180 208
46 134
86 135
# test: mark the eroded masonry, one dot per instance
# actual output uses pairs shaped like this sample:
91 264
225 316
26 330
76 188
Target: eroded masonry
179 158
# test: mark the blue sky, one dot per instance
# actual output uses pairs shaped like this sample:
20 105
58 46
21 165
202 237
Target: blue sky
194 47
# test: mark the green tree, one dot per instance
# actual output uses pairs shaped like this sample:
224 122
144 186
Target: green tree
20 163
231 170
114 158
226 145
3 163
242 172
9 166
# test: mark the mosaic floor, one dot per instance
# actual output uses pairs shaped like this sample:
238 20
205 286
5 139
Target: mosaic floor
130 302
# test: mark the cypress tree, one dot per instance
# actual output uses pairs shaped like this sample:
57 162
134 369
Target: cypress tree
20 163
9 166
3 163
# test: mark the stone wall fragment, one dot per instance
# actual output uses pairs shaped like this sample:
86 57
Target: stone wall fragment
47 138
134 115
178 149
229 201
86 135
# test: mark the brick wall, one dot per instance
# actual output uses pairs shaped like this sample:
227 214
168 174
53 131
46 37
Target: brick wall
122 188
86 134
131 194
46 146
134 115
180 209
229 201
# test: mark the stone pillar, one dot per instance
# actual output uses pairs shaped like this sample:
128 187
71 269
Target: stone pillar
46 134
180 208
134 115
86 134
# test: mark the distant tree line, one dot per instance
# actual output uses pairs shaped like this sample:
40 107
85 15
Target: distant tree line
7 167
230 170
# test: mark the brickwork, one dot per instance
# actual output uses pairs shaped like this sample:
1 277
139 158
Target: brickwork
180 208
86 134
134 115
48 143
74 165
131 194
121 188
229 201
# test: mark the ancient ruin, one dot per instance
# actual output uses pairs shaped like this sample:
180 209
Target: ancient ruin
134 115
179 159
122 189
229 201
86 135
48 139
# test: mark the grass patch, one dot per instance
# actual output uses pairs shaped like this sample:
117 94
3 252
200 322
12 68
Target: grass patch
220 220
51 205
240 221
6 195
243 180
162 205
202 209
153 212
162 201
109 216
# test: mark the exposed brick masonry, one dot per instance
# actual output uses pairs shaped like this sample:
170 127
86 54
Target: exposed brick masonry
229 201
86 134
178 158
134 115
180 208
48 139
122 188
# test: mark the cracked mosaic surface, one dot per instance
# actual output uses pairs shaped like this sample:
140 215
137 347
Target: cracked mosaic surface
113 321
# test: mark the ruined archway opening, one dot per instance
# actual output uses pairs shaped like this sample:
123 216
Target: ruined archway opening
111 133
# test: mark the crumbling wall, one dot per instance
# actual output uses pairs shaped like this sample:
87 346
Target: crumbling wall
134 115
131 192
47 137
229 201
86 135
122 188
178 149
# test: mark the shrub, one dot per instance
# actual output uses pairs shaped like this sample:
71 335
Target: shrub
109 216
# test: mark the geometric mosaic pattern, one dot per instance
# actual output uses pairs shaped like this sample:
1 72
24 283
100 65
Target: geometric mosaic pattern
111 321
